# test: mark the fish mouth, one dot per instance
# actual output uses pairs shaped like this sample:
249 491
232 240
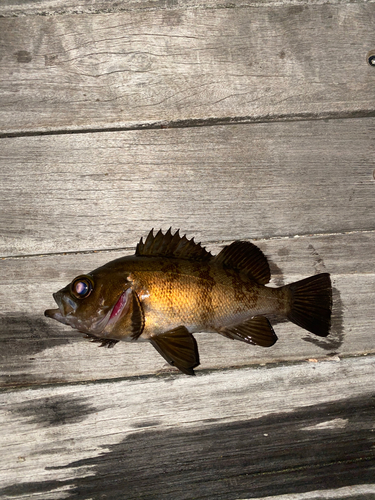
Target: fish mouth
120 308
57 314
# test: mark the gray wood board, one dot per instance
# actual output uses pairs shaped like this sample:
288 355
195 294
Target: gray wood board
105 190
13 8
246 433
149 68
36 350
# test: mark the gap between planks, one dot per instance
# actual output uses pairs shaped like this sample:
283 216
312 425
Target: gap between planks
195 123
206 243
169 372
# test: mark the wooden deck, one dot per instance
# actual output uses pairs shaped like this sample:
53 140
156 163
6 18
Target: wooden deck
249 120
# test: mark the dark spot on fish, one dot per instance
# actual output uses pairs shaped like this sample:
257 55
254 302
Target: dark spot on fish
171 267
207 284
282 54
55 410
278 454
23 56
239 286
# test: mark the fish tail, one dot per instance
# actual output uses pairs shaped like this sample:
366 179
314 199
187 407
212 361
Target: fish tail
311 304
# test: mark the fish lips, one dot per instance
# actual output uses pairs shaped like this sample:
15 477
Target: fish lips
56 313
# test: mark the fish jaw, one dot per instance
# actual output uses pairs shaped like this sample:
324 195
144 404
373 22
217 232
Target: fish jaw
61 315
66 314
56 314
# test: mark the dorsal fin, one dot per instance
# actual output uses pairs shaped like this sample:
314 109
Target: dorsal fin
168 245
247 258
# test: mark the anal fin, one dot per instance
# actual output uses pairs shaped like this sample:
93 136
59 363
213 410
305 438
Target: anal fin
179 348
257 330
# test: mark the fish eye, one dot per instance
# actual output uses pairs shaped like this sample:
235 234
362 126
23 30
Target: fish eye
82 286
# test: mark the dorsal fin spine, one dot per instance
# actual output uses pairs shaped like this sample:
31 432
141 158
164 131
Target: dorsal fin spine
172 246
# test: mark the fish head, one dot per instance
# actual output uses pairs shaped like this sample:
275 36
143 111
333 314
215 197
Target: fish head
97 303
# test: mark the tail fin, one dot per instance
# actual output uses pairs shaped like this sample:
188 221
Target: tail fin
311 304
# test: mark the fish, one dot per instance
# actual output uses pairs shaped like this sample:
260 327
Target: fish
172 287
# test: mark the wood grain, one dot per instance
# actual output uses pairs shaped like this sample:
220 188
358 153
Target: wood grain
235 434
15 8
99 142
97 191
152 68
35 350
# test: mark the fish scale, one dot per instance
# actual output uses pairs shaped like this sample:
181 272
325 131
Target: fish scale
173 287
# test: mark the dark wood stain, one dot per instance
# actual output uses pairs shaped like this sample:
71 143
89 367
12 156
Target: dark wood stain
273 455
22 336
23 56
54 410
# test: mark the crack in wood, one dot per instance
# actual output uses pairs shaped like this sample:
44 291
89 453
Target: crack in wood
199 122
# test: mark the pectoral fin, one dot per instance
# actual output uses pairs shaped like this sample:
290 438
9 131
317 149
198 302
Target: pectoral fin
103 342
257 330
179 348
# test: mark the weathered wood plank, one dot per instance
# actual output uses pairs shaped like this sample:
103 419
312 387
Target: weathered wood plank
246 433
97 191
12 8
147 68
357 491
35 350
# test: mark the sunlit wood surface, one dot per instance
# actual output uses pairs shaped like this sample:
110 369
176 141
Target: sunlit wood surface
253 121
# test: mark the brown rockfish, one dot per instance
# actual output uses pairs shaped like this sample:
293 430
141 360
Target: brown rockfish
173 287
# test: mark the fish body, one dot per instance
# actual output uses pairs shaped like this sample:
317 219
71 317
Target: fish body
172 288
